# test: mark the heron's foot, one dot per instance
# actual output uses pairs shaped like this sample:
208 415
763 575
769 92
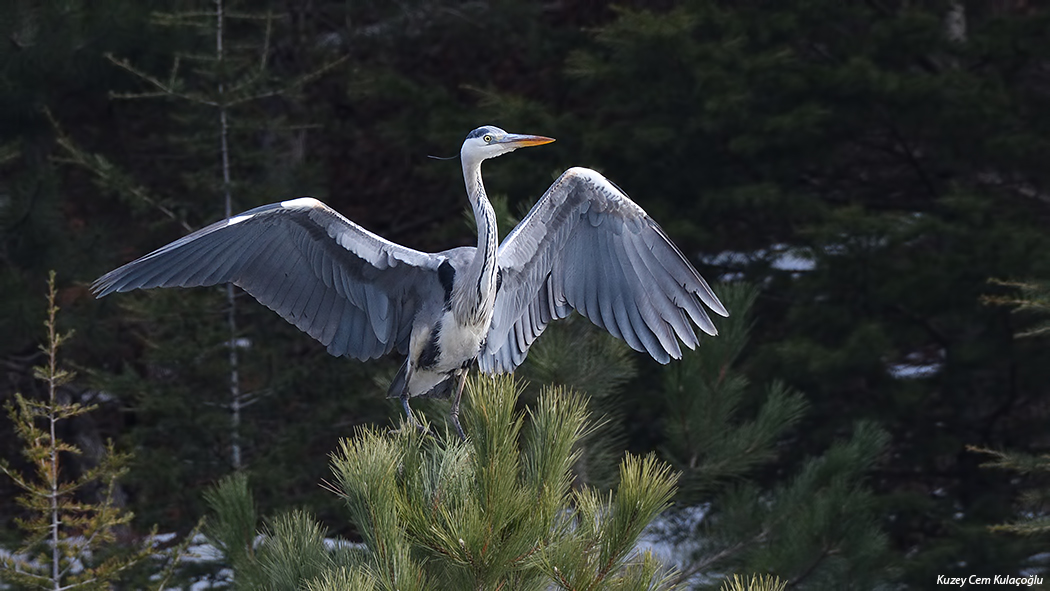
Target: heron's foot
424 431
410 419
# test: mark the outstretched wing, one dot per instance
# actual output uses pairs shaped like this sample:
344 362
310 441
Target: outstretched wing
587 246
350 289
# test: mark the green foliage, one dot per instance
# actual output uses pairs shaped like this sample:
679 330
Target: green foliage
755 583
70 541
705 437
1035 520
870 170
233 532
499 510
200 364
53 60
575 355
1034 299
817 528
894 164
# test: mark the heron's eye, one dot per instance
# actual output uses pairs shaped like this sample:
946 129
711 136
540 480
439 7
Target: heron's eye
487 138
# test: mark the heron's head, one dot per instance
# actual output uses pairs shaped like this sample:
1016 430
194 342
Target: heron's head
489 141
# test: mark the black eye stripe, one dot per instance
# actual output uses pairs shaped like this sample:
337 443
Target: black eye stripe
484 130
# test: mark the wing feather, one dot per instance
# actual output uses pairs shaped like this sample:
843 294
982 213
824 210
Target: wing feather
618 323
350 289
326 328
665 307
677 295
292 299
340 343
639 299
255 272
323 313
587 246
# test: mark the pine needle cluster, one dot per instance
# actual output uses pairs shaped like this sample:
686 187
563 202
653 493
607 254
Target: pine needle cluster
1034 520
499 511
1032 297
1035 501
755 583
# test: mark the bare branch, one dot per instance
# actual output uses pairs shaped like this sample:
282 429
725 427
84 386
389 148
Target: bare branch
164 88
266 42
704 564
301 81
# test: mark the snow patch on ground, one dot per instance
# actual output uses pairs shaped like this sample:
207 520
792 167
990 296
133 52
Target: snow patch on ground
671 539
780 257
917 365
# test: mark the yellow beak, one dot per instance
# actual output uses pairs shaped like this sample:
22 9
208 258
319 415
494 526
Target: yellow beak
521 141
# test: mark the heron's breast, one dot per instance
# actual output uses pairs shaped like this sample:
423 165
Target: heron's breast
460 343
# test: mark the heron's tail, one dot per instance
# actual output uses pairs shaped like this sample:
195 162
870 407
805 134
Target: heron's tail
399 385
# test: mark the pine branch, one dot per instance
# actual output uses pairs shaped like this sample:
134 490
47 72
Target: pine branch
107 173
291 86
163 89
812 566
1034 297
724 554
1015 461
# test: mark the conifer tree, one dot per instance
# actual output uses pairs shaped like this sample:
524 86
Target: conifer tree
206 358
500 510
228 78
814 526
69 541
869 164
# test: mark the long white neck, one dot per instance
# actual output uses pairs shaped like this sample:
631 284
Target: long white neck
474 296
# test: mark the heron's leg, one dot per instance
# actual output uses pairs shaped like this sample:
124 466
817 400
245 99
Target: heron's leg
454 413
410 416
408 409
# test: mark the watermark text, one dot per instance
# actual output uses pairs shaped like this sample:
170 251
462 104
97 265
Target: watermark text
975 580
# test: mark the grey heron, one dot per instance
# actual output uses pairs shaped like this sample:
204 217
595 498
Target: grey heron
585 246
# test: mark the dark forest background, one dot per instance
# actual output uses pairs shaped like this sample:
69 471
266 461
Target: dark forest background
870 167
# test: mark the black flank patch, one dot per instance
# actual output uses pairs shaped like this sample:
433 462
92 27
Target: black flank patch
429 355
446 274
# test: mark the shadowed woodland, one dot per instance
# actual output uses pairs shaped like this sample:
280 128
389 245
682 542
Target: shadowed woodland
865 184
